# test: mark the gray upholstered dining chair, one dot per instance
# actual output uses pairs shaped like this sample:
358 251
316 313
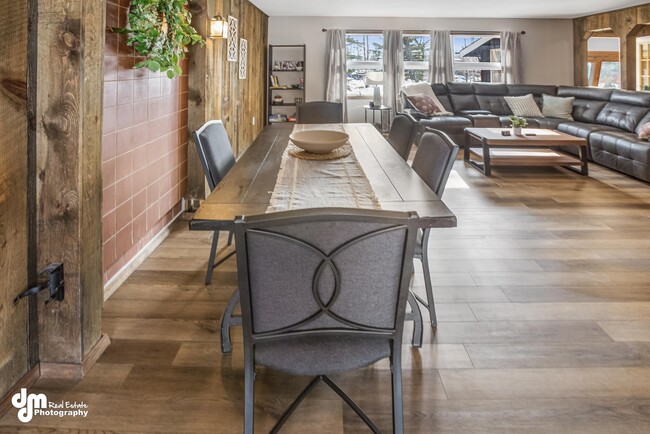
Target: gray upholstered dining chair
217 158
401 135
324 290
319 112
433 162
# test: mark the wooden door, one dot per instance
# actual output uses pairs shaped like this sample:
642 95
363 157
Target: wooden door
15 196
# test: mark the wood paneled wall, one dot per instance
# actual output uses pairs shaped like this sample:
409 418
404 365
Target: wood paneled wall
627 24
14 318
215 90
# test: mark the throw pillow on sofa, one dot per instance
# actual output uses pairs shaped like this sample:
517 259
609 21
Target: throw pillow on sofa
524 106
424 104
425 88
644 131
557 107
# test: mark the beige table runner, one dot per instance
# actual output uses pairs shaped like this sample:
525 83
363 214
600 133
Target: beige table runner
321 183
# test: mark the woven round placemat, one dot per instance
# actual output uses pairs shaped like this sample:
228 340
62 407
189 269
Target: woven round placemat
337 153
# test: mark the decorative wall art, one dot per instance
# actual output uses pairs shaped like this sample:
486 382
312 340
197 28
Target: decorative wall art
243 58
233 39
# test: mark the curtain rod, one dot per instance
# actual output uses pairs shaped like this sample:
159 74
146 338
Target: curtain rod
455 32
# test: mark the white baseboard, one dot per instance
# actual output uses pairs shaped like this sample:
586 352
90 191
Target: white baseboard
120 277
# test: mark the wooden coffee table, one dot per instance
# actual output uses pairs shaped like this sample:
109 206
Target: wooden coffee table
539 147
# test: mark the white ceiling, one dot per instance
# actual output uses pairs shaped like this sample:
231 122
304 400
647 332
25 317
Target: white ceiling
442 8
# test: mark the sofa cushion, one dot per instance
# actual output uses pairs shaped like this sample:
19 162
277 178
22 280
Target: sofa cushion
643 132
535 89
523 106
443 95
494 104
582 129
454 126
623 116
546 122
424 89
557 106
641 99
590 93
586 110
464 102
460 88
490 89
621 151
424 104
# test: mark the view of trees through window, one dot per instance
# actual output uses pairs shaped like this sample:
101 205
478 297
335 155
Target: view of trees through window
417 49
364 63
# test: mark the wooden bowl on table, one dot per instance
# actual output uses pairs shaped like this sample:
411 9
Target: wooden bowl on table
319 141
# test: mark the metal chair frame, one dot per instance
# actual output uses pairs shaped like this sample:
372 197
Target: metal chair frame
422 252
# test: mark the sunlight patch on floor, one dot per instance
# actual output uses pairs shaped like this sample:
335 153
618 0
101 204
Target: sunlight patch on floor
456 182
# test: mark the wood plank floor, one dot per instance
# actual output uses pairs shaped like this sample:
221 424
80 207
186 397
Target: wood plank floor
543 297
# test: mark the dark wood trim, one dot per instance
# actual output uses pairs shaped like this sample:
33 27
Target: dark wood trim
25 381
32 256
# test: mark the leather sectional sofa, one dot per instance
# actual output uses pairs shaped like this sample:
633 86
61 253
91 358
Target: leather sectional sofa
609 119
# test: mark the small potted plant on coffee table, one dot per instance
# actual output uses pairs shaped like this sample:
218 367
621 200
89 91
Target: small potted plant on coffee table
517 124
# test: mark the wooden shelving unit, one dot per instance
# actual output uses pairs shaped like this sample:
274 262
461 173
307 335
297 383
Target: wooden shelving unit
287 64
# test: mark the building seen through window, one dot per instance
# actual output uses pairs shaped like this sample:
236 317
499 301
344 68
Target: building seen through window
477 58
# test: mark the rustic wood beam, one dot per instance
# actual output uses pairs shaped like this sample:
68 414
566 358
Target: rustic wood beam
68 173
603 56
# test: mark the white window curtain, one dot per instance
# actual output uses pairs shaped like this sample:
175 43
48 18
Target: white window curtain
336 90
441 58
511 57
393 69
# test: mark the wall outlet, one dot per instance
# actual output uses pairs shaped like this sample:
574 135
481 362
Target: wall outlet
253 120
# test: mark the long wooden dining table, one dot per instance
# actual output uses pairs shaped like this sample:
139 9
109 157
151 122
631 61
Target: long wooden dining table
247 188
250 185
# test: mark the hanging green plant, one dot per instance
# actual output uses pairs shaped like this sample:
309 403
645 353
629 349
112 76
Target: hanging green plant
160 31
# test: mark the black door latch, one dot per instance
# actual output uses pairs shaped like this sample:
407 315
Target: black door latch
54 282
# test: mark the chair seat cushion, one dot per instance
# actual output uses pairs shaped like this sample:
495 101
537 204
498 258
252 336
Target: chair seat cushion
322 355
582 129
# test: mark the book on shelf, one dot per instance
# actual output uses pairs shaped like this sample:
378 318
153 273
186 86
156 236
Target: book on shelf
275 82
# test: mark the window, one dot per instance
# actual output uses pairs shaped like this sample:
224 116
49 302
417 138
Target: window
364 58
477 58
416 58
603 57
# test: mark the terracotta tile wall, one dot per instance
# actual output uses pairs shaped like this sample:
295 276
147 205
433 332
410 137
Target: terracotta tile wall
144 149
